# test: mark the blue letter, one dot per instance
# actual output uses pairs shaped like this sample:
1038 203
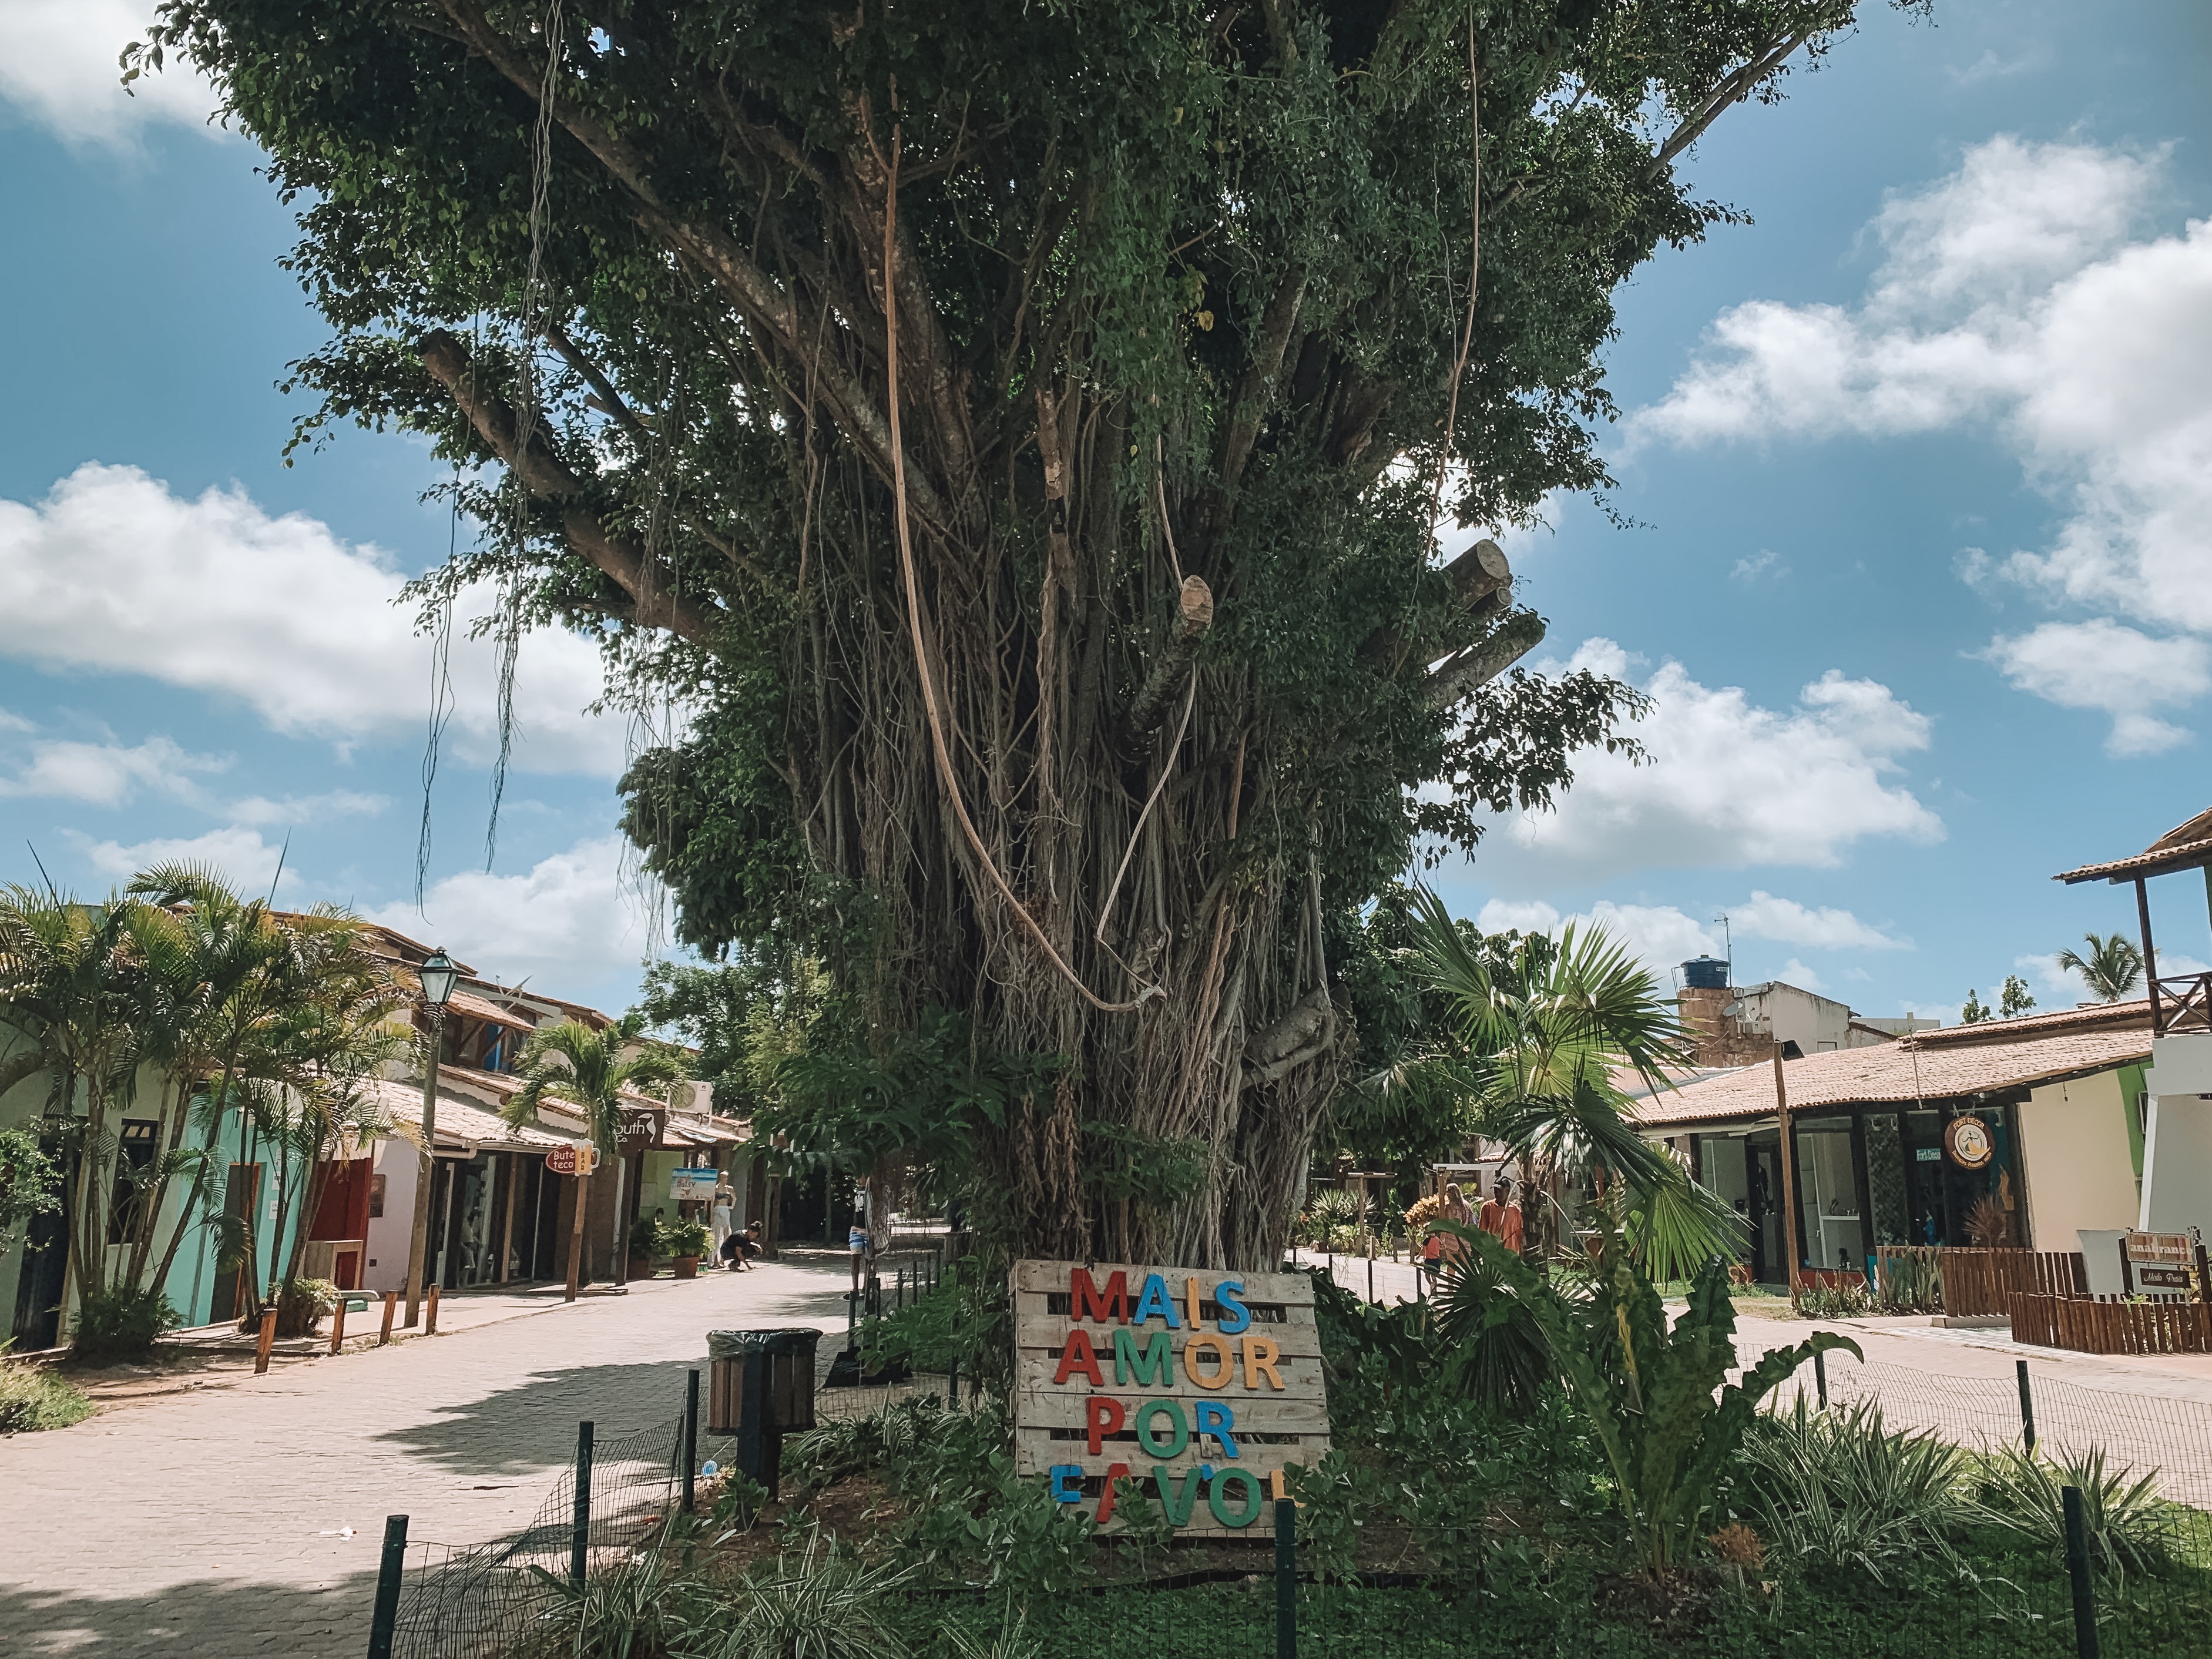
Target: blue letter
1211 1417
1156 1300
1068 1483
1226 1293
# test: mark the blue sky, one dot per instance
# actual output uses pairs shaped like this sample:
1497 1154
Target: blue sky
1920 466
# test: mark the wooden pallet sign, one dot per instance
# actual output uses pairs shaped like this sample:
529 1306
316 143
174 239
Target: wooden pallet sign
1201 1387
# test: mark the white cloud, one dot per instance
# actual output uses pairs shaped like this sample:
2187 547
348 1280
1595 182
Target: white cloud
109 774
2011 295
113 573
2055 986
1758 565
295 809
2103 664
238 855
1665 936
1786 922
57 65
573 920
1729 783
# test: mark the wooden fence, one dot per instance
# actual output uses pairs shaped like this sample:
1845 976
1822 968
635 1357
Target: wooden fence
2093 1325
1985 1281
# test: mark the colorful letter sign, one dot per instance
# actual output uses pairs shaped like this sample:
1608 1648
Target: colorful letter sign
1199 1386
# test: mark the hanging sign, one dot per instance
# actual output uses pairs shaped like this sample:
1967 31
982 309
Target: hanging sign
642 1128
1967 1140
1201 1387
684 1185
577 1160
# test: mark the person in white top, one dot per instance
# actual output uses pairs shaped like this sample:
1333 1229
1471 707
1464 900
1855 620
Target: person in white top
723 1208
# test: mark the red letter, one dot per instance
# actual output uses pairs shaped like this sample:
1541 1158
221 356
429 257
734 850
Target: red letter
1116 1472
1086 1303
1102 1417
1077 1356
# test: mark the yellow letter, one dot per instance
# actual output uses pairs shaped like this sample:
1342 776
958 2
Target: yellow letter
1260 1354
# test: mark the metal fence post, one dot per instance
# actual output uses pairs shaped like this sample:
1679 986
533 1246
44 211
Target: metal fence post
384 1618
580 1546
2077 1569
952 1383
1820 1377
691 1441
2027 1405
1286 1579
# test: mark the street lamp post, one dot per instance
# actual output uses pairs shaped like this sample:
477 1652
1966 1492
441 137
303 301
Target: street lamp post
439 976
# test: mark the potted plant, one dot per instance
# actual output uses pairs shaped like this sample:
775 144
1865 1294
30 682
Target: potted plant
648 1242
687 1240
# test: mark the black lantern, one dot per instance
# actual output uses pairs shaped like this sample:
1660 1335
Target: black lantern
439 977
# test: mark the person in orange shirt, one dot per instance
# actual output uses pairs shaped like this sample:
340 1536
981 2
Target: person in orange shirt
1501 1216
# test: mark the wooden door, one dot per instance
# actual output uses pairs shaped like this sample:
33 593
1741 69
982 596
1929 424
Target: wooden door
232 1290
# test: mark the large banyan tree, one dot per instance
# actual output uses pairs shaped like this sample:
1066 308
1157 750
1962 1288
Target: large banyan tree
1016 431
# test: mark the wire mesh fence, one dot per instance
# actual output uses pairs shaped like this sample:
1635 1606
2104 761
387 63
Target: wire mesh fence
484 1601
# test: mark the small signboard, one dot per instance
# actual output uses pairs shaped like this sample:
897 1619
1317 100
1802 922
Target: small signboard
580 1159
1200 1386
2165 1249
686 1184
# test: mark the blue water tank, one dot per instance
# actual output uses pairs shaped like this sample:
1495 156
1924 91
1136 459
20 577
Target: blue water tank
1706 974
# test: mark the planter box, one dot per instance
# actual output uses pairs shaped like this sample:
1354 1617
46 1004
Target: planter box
687 1266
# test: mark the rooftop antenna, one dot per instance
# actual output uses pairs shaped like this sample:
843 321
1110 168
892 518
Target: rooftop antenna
1727 944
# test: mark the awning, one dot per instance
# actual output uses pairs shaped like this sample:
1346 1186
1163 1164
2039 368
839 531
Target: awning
473 1007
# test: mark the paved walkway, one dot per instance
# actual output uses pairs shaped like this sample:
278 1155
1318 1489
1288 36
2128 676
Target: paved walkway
245 1516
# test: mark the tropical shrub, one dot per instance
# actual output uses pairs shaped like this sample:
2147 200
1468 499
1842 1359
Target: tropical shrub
1658 1399
687 1238
2019 1492
121 1324
1487 1320
301 1304
648 1239
33 1398
1839 1489
817 1603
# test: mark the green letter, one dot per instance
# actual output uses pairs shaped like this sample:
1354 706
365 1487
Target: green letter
1153 1367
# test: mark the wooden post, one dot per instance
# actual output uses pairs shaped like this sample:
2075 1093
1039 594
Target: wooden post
2127 1268
576 1233
2149 954
390 1306
1789 1250
506 1227
268 1338
337 1324
430 1313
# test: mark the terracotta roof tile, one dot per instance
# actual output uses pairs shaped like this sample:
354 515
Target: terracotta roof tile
1899 1072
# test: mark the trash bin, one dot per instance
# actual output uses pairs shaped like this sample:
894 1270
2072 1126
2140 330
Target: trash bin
761 1388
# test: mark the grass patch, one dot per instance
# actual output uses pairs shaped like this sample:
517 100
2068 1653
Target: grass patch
33 1398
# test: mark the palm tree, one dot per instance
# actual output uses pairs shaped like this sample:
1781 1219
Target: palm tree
75 980
1545 1024
589 1070
2112 969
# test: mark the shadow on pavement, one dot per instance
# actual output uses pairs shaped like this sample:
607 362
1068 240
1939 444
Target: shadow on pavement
203 1617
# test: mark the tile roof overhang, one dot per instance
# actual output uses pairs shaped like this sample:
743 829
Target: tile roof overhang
1896 1073
480 1007
461 1122
2186 846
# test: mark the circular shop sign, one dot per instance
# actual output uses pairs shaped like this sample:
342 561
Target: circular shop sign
1967 1140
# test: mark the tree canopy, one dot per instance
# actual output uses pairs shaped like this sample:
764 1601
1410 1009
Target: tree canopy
1014 433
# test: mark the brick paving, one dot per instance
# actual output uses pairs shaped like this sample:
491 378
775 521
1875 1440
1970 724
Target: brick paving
215 1521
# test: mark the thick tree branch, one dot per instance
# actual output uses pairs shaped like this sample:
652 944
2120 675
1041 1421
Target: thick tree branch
543 474
1253 395
1194 615
1302 1035
1734 89
1513 639
1480 580
758 295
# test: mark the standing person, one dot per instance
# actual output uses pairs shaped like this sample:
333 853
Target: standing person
1456 1209
721 1211
858 1242
1501 1216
